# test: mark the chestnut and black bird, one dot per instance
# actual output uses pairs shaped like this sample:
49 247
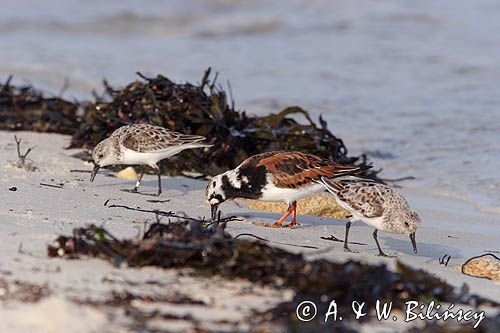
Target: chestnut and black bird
276 176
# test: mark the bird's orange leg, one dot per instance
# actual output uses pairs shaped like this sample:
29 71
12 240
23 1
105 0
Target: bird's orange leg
294 215
279 223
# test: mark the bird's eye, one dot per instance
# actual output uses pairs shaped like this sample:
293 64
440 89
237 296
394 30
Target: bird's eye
100 155
213 184
406 224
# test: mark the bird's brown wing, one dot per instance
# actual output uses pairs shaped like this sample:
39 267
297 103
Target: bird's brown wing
295 169
147 138
366 198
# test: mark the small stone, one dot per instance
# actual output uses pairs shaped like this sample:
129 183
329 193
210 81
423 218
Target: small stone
323 205
128 173
485 266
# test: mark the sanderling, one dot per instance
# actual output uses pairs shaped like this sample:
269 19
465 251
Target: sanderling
142 144
377 205
275 176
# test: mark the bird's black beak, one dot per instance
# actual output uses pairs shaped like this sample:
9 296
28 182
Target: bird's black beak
94 172
413 242
214 208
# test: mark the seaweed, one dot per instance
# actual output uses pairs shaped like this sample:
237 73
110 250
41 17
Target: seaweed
26 108
126 300
203 109
209 250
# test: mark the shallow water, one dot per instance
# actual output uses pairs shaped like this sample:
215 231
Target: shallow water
413 83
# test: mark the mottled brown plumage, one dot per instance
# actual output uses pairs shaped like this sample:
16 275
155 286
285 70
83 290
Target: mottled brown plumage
145 138
366 198
295 169
377 205
142 144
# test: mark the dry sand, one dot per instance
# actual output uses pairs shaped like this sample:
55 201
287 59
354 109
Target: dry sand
32 216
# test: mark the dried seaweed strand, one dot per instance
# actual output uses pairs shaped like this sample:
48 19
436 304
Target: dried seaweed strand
274 242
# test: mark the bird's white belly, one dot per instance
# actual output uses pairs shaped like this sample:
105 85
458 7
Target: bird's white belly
133 157
376 222
273 193
151 158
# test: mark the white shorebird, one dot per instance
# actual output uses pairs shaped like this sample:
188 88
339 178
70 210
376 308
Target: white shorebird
142 144
377 205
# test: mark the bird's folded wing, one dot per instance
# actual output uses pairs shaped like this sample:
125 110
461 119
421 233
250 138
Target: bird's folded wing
365 199
294 169
156 139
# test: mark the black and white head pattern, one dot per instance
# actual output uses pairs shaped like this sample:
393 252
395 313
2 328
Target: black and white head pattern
237 183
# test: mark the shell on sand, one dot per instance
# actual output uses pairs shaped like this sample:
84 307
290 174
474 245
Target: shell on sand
319 205
127 173
485 266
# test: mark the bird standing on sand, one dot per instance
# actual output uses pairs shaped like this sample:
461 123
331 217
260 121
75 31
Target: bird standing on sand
377 205
142 144
275 176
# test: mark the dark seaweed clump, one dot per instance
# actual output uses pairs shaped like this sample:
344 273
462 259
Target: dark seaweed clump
201 109
210 250
204 110
25 108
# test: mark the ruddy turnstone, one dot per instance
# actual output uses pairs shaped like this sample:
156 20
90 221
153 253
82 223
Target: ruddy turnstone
142 144
275 176
377 205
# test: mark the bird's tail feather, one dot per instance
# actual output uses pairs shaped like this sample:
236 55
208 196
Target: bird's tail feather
195 145
188 138
331 186
341 170
353 179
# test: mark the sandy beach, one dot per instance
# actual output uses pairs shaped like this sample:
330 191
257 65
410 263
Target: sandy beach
410 86
55 199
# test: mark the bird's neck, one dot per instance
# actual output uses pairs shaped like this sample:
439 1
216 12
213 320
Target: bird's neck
236 186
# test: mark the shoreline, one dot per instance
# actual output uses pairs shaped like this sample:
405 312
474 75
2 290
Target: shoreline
34 214
436 193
